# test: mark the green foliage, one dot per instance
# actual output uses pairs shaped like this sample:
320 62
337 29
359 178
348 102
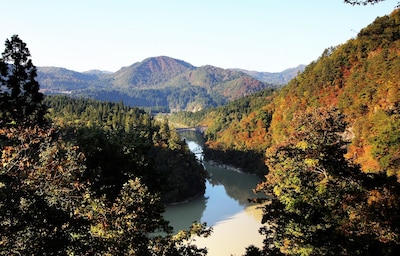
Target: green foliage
48 205
78 196
357 2
360 78
39 189
86 185
112 134
321 204
21 101
366 2
385 143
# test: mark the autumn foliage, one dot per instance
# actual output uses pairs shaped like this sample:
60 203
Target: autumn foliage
360 78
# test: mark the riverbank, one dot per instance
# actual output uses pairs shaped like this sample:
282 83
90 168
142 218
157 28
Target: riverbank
224 166
243 161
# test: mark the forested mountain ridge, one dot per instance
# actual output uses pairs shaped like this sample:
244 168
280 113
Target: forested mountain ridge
161 83
61 80
359 78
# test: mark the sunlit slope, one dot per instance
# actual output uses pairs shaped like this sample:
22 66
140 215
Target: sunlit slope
361 78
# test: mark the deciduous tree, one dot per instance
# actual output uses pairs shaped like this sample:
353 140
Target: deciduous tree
321 204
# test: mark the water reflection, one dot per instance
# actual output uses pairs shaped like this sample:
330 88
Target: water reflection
232 236
227 194
238 186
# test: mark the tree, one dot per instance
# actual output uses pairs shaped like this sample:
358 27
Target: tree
357 2
47 206
321 204
365 2
39 189
21 101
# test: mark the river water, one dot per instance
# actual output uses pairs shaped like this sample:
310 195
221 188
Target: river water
224 206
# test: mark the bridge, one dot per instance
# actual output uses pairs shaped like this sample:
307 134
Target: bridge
200 129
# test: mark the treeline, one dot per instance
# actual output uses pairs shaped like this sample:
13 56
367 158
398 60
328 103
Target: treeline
165 100
89 177
105 131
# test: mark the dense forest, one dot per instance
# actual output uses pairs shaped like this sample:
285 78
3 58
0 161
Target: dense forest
84 177
112 134
330 141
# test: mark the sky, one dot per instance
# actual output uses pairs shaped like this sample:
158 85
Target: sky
260 35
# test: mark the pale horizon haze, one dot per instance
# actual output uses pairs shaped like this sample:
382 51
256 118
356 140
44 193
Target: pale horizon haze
260 35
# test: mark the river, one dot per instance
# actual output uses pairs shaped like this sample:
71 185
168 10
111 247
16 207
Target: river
224 206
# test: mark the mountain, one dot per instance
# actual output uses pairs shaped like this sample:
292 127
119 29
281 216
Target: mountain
359 78
162 83
279 78
97 72
61 80
150 73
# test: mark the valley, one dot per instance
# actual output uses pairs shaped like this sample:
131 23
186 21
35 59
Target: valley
93 165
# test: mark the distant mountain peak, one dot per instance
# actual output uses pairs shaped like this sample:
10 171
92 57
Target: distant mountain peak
165 64
97 72
150 72
278 78
159 81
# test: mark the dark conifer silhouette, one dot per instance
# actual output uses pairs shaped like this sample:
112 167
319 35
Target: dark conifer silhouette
20 99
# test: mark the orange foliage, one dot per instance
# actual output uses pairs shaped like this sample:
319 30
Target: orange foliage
363 157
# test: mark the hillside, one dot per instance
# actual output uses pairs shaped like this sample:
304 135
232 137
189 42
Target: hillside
61 80
161 83
359 78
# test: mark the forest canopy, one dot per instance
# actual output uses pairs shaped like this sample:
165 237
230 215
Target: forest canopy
81 179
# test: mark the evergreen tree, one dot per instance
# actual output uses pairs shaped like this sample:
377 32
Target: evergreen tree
21 101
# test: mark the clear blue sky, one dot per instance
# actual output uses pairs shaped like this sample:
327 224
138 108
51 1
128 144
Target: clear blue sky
262 35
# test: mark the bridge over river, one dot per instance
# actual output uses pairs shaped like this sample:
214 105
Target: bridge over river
200 129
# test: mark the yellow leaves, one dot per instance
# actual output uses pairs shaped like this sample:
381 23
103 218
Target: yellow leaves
187 236
311 162
353 216
99 230
181 235
374 197
277 191
303 145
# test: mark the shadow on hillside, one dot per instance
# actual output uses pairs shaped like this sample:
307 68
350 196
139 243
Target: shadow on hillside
247 161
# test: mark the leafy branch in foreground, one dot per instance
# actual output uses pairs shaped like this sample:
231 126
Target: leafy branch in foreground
47 207
320 203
